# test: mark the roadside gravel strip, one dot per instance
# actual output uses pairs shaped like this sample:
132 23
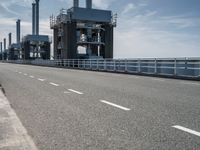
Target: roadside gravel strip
13 135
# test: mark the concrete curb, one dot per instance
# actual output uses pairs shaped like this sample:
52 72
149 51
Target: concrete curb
13 134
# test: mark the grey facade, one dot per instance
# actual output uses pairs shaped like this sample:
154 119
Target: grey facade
35 46
83 32
14 49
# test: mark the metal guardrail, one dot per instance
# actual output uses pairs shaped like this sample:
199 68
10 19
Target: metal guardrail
177 67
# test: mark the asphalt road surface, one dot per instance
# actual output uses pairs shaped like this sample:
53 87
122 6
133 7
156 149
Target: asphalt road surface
65 109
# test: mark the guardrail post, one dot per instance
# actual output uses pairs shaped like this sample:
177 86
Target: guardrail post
90 64
126 65
155 66
84 62
97 64
186 63
175 67
64 63
68 63
104 64
73 62
78 64
139 65
114 64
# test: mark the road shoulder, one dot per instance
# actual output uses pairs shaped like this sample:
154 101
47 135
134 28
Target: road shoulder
13 135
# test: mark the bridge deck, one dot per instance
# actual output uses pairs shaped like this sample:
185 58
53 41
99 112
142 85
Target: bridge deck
74 109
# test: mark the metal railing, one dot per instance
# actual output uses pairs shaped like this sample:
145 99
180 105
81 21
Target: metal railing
177 67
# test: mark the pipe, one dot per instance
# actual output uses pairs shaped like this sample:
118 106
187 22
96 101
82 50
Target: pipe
33 18
1 47
76 3
89 4
37 17
4 41
18 31
10 38
1 51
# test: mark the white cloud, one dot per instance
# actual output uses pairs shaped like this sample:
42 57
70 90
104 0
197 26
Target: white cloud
102 4
182 21
149 35
144 43
128 8
140 32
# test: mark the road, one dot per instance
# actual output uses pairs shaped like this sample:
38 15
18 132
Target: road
65 109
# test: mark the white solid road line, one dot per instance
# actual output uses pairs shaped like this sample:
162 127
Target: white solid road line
31 76
187 130
54 84
41 79
77 92
115 105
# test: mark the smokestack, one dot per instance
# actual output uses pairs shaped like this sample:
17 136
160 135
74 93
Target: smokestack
89 4
10 38
18 31
33 18
76 3
1 47
1 51
37 17
4 41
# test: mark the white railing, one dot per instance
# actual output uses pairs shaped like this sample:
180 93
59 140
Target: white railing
177 67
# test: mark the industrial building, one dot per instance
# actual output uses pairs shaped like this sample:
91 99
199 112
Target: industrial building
35 46
83 33
5 52
14 50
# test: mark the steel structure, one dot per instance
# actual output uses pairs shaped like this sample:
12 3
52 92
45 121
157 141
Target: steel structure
14 49
83 32
5 52
35 46
1 50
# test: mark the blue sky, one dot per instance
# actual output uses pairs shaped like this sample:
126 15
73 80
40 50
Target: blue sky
146 28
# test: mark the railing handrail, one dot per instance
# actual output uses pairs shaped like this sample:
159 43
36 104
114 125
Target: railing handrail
177 67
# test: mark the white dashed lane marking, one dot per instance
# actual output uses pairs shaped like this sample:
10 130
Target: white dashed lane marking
41 79
54 84
187 130
115 105
74 91
31 76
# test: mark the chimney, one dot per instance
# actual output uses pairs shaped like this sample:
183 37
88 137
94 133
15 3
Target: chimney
10 38
37 17
33 18
1 51
76 3
89 4
1 47
4 41
18 31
